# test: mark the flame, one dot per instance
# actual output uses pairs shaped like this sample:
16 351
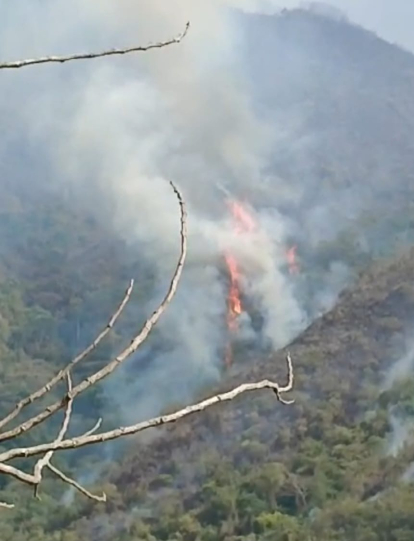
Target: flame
243 223
234 301
291 258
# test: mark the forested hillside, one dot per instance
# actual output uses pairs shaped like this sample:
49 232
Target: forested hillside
333 466
337 465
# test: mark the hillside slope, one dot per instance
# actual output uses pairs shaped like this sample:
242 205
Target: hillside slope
341 100
233 470
254 469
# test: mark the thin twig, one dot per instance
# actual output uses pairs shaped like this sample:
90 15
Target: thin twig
36 478
68 368
88 56
94 428
128 351
76 443
76 485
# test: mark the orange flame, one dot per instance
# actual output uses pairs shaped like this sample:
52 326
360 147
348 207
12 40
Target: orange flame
243 222
291 259
234 301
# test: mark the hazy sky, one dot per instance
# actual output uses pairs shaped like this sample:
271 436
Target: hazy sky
391 19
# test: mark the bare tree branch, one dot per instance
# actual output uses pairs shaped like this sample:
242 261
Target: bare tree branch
76 443
16 473
128 351
289 383
71 481
36 478
7 505
43 462
76 485
88 56
68 368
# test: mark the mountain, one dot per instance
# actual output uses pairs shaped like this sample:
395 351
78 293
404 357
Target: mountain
254 469
341 99
336 465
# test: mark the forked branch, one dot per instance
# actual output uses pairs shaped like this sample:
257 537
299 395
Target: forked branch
88 56
45 461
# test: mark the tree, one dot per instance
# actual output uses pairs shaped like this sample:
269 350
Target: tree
46 449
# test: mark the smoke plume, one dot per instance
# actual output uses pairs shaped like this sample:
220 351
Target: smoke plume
112 133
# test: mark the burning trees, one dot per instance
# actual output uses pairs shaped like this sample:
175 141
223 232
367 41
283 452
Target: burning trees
243 224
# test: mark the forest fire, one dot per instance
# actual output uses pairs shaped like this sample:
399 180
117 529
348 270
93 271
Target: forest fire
244 223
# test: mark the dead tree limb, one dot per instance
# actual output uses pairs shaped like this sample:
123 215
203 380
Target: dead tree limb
76 443
6 505
43 462
88 56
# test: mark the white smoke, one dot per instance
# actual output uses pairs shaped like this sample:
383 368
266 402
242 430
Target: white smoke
113 132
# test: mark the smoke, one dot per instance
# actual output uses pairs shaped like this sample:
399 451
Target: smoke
110 134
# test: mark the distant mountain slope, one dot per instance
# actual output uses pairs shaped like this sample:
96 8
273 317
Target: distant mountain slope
341 99
224 471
